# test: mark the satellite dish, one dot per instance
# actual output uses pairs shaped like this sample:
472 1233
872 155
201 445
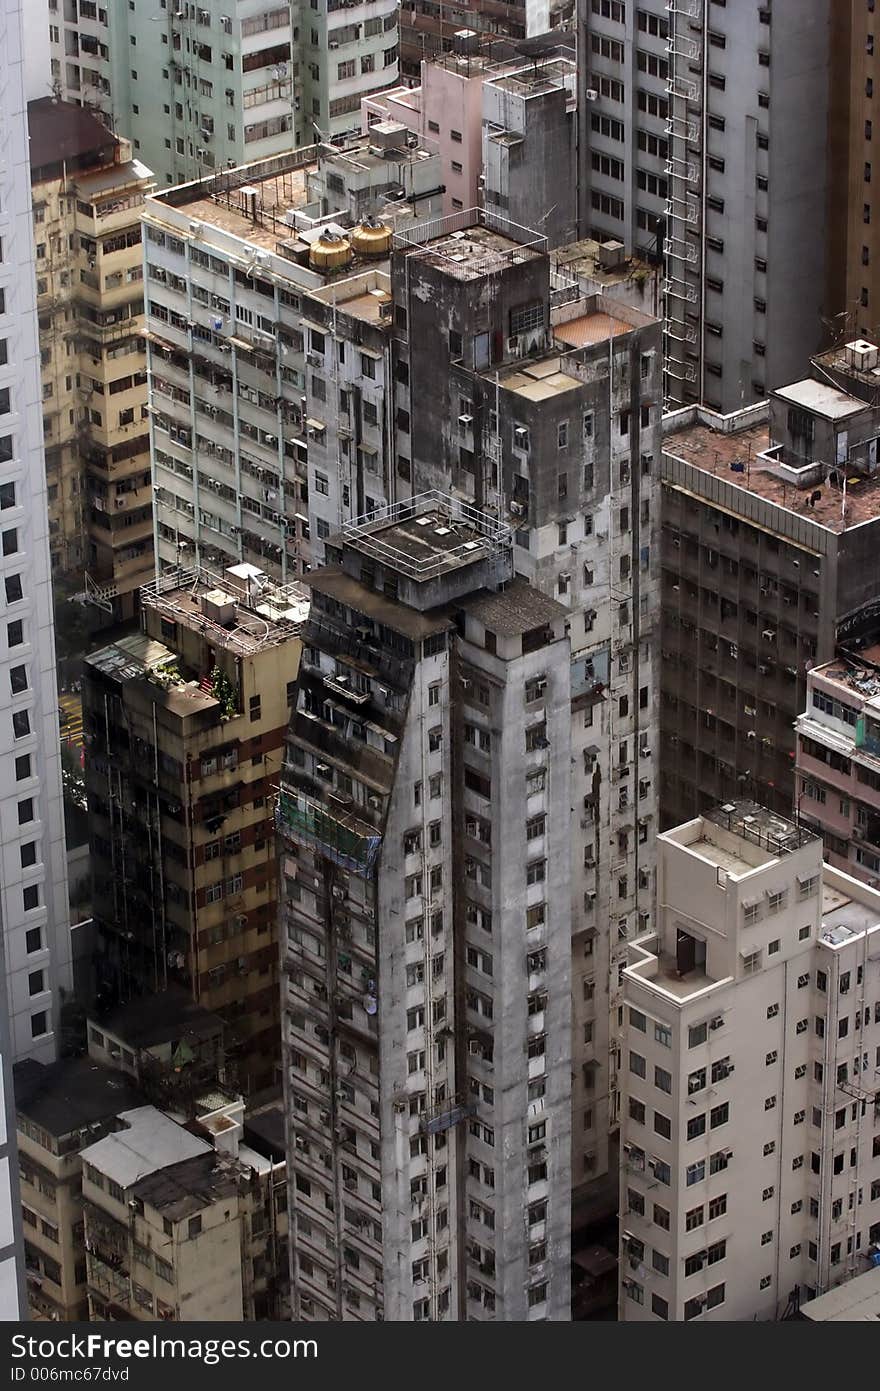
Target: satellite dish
371 1004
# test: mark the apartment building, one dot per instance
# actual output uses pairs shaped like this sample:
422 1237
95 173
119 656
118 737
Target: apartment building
529 125
837 774
183 1226
750 1180
770 519
202 87
428 1064
704 141
506 129
853 293
539 398
62 1108
33 877
184 725
231 268
88 194
545 405
34 952
342 57
445 106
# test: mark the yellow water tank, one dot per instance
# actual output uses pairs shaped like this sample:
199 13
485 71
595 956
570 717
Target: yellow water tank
371 238
330 251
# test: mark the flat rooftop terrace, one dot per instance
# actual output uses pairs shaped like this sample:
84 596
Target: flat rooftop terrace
585 258
262 614
595 327
361 296
538 380
844 918
428 536
472 243
863 681
257 218
716 452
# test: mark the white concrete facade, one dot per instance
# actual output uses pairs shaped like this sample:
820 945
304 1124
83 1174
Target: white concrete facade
35 948
33 882
751 1174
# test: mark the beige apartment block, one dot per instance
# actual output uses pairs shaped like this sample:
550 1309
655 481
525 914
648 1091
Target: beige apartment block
88 194
182 1226
750 1181
61 1108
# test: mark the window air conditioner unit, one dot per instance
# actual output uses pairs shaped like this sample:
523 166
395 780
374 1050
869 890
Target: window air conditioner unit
717 1022
466 420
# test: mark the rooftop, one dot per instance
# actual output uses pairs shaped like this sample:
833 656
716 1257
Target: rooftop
62 132
242 609
169 1017
850 1302
595 327
361 297
537 78
473 243
758 826
181 1189
859 677
587 258
844 916
820 397
71 1094
538 380
427 536
739 837
113 178
251 202
514 610
842 359
149 1141
732 455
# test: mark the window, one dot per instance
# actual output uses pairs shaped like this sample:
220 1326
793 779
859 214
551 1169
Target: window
637 1110
696 1127
694 1218
663 1035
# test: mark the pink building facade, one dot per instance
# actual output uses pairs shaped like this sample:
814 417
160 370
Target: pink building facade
448 109
837 773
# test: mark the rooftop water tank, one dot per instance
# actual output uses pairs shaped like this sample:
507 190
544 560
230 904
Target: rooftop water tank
371 237
329 251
